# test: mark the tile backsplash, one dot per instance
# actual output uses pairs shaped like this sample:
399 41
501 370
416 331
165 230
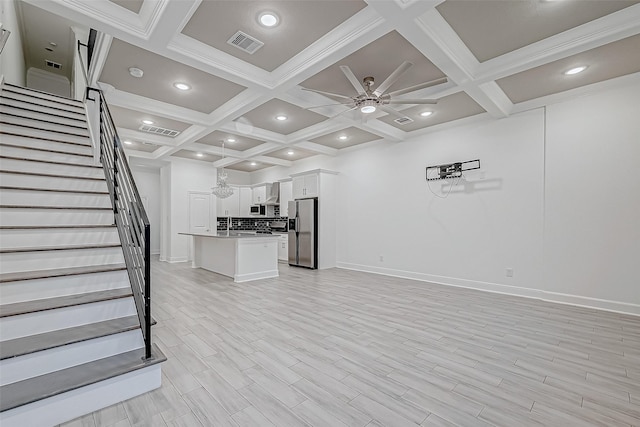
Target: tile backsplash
247 223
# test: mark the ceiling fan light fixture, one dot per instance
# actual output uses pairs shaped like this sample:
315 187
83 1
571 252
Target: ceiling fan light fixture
368 109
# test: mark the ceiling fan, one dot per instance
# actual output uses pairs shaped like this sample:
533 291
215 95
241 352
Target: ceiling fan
368 100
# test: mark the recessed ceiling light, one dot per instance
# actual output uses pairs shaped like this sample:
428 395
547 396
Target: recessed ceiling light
290 152
147 122
342 137
126 141
231 140
575 70
136 72
53 44
268 19
181 86
368 109
199 154
426 113
253 163
281 117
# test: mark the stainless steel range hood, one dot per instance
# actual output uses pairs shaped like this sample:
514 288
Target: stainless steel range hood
273 198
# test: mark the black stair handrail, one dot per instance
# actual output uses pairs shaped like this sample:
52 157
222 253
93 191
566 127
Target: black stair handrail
130 216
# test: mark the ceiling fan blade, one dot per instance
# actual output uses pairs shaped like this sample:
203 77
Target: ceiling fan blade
335 95
413 101
418 87
391 111
353 79
342 112
392 78
326 105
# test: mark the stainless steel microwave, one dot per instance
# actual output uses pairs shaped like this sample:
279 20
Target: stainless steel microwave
263 210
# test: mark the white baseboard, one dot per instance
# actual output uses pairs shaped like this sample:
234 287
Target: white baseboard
255 276
576 300
177 259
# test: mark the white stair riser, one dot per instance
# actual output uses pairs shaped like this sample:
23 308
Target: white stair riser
51 287
35 181
75 403
13 327
11 101
33 113
53 198
44 260
54 127
50 168
24 141
42 99
45 155
42 217
55 359
27 238
37 133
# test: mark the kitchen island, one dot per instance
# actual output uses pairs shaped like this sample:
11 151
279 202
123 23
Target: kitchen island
243 256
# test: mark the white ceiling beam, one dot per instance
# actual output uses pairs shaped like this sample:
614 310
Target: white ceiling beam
317 148
274 161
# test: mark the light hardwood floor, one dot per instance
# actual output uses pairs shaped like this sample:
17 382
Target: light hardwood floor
337 348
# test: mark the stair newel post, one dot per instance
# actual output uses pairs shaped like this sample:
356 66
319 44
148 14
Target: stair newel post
147 290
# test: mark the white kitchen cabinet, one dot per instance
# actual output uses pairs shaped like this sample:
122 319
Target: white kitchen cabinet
259 194
229 206
305 186
286 195
283 247
245 202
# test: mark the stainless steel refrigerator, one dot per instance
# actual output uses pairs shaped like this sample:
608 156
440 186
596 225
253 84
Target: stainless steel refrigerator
303 233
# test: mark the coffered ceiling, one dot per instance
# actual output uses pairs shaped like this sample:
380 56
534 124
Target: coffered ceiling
498 58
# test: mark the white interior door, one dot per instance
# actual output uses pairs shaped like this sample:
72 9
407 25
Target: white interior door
199 213
199 216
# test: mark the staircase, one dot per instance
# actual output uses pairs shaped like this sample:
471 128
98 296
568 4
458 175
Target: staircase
70 336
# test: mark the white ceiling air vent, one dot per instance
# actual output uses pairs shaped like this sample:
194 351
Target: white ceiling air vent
53 64
403 120
159 131
245 42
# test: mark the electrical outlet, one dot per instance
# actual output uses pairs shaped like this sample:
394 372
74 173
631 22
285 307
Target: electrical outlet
381 258
509 272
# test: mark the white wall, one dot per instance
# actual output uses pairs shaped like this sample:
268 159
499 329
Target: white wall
12 65
48 82
148 183
183 176
592 203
